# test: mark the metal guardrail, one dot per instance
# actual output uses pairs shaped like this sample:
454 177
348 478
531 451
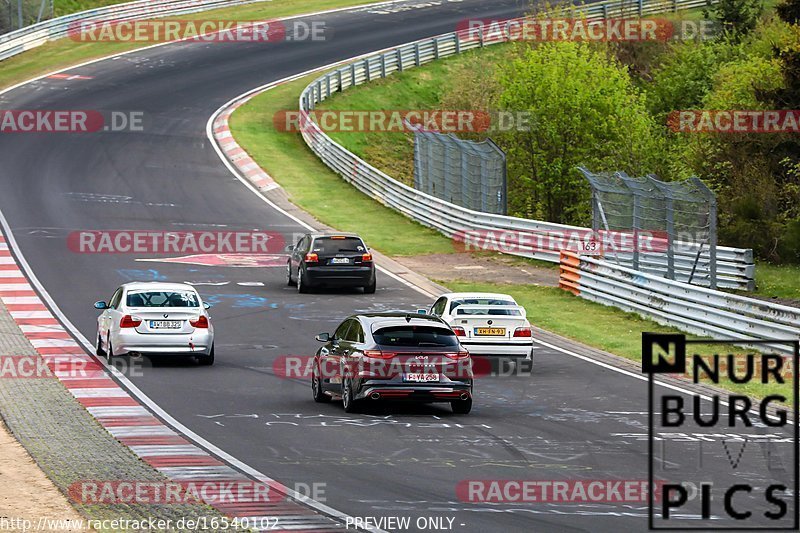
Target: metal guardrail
687 307
735 268
29 37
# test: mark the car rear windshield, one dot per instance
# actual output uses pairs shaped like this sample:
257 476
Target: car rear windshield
489 311
479 301
412 336
162 299
335 245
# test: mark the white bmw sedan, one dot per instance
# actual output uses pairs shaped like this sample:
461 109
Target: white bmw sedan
155 318
488 324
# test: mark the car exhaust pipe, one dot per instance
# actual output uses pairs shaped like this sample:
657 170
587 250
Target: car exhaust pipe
375 396
465 396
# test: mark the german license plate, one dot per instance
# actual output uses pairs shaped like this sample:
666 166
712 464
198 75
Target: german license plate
421 377
340 261
165 324
490 332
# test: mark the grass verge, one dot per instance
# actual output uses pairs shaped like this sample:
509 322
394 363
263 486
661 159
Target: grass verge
64 53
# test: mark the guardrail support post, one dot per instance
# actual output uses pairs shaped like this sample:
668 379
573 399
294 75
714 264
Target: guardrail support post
366 71
674 6
435 48
399 60
457 43
712 241
352 74
328 86
383 65
416 54
641 7
670 239
636 215
339 88
605 11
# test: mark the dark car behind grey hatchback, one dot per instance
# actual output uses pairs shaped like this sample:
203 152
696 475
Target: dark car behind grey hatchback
330 260
392 356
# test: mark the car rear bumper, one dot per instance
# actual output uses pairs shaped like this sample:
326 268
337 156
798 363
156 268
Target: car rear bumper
199 343
444 391
356 276
507 349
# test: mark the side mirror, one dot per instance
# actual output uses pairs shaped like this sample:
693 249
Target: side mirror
323 337
206 306
100 305
290 248
422 311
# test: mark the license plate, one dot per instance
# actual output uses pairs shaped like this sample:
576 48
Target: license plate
340 261
165 324
421 377
494 332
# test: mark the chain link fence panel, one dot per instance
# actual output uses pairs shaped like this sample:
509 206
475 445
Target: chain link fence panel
466 173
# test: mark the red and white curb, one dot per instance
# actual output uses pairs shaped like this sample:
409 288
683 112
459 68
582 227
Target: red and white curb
237 155
127 419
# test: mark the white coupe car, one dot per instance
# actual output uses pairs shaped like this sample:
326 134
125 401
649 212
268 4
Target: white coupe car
487 323
155 318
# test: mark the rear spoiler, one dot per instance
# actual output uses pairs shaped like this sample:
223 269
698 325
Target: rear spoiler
474 307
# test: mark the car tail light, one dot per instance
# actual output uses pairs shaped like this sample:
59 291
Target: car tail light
459 331
522 332
129 321
378 354
366 258
312 258
458 355
199 322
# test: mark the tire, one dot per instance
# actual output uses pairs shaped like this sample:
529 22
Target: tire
289 281
316 388
109 351
370 289
206 360
461 407
99 351
348 402
302 283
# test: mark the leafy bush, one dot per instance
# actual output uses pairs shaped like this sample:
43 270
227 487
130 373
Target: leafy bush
585 111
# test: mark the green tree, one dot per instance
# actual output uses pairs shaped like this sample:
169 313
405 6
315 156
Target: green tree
684 77
584 110
737 17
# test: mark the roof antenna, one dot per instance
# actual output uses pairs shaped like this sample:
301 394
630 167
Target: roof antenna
408 317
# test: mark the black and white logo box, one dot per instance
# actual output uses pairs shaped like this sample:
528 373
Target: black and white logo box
724 460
